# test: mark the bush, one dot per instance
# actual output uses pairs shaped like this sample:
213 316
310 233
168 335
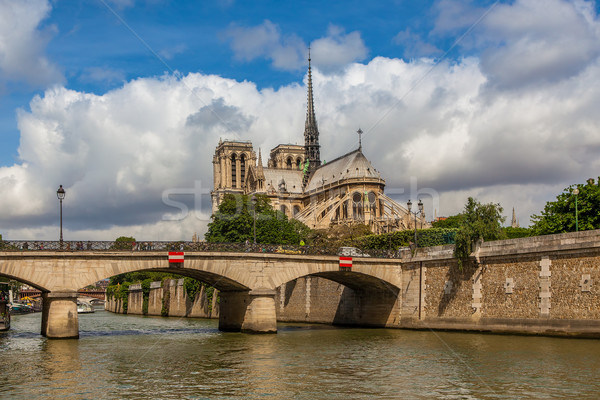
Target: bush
392 241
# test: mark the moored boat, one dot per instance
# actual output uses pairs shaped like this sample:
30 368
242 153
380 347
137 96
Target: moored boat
4 307
83 307
20 308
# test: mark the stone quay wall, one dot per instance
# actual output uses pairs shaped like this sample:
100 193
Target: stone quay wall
169 299
539 285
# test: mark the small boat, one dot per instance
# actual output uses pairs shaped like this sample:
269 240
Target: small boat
20 308
83 307
4 307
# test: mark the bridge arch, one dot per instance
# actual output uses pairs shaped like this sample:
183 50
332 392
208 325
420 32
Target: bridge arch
24 280
219 282
365 274
371 293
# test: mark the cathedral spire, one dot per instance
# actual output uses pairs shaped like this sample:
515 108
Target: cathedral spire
311 131
260 173
260 164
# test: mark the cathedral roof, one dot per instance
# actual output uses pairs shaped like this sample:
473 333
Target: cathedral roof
351 165
291 177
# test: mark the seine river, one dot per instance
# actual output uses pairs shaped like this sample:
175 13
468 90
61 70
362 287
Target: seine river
129 357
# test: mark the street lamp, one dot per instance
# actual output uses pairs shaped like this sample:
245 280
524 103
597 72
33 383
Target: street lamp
576 192
415 213
60 193
254 216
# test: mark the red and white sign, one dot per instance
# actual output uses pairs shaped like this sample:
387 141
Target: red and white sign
345 262
175 257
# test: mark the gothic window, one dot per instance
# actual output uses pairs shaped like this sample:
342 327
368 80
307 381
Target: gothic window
289 163
298 162
372 202
357 206
283 209
233 170
242 168
296 210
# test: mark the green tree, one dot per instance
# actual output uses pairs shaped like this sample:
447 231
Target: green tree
559 216
454 221
124 243
481 222
514 233
139 276
234 222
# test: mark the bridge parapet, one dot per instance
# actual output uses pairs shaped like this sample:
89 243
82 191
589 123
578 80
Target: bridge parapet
143 246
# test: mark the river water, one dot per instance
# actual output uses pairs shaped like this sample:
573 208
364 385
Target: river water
133 357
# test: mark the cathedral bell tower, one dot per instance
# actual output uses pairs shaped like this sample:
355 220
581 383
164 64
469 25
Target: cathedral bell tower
311 132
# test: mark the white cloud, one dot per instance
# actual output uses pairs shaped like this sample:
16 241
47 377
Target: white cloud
454 15
288 52
99 74
414 45
22 43
169 53
119 153
265 40
338 49
527 42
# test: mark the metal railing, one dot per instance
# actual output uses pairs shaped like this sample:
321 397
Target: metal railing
75 246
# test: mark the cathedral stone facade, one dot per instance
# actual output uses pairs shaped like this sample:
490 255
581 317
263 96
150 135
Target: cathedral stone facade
345 191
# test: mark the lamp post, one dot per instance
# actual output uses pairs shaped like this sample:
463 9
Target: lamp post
60 193
415 213
576 192
254 216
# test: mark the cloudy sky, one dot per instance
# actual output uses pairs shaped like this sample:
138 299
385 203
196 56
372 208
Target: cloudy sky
124 101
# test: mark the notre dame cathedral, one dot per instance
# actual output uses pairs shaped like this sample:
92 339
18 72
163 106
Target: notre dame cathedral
347 190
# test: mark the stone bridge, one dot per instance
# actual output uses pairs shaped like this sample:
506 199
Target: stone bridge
247 282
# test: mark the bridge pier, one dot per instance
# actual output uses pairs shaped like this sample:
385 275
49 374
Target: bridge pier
249 312
59 315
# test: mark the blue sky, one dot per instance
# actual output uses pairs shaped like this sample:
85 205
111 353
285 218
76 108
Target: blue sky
495 100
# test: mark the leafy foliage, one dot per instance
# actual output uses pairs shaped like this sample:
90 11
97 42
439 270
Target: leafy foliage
139 276
481 222
234 222
124 243
360 236
120 292
119 287
338 236
192 287
452 222
146 294
559 216
515 233
394 240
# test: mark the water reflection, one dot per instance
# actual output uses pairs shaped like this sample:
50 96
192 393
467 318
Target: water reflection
133 357
62 368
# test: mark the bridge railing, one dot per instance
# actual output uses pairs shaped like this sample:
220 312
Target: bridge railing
74 246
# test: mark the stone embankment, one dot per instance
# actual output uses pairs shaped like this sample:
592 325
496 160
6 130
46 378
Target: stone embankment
168 298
